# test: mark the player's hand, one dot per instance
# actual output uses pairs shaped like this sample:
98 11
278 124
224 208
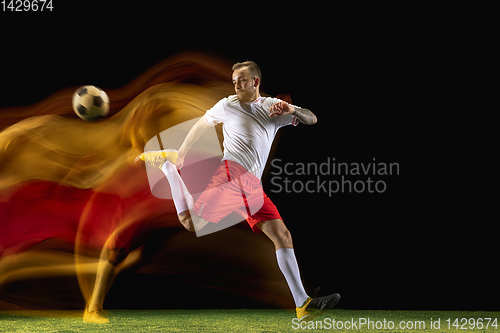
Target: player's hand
281 108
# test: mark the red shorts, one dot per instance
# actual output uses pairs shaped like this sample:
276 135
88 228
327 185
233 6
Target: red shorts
233 189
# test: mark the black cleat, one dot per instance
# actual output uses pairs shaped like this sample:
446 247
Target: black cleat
314 307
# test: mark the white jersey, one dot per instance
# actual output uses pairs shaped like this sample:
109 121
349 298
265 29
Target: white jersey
248 130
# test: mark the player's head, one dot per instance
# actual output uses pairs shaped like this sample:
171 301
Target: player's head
246 80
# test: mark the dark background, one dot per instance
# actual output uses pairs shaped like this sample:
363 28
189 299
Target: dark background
374 80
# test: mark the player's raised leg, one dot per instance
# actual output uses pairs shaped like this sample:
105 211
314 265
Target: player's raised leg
306 307
183 201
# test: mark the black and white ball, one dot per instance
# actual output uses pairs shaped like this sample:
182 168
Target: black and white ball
90 103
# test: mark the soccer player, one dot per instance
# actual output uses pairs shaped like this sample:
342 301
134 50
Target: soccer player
250 123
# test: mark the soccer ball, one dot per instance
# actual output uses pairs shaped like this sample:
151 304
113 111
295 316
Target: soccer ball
90 103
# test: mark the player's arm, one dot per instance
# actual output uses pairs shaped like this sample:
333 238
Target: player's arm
194 134
305 116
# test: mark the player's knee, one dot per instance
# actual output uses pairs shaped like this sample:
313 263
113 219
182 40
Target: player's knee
286 238
282 236
186 221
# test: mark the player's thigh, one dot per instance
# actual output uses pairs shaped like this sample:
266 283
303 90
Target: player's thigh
216 203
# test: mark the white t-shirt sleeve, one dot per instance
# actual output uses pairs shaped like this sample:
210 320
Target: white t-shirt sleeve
286 119
216 114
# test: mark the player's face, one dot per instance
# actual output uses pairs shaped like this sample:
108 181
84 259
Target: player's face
245 85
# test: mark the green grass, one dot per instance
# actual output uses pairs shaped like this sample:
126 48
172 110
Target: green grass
227 321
